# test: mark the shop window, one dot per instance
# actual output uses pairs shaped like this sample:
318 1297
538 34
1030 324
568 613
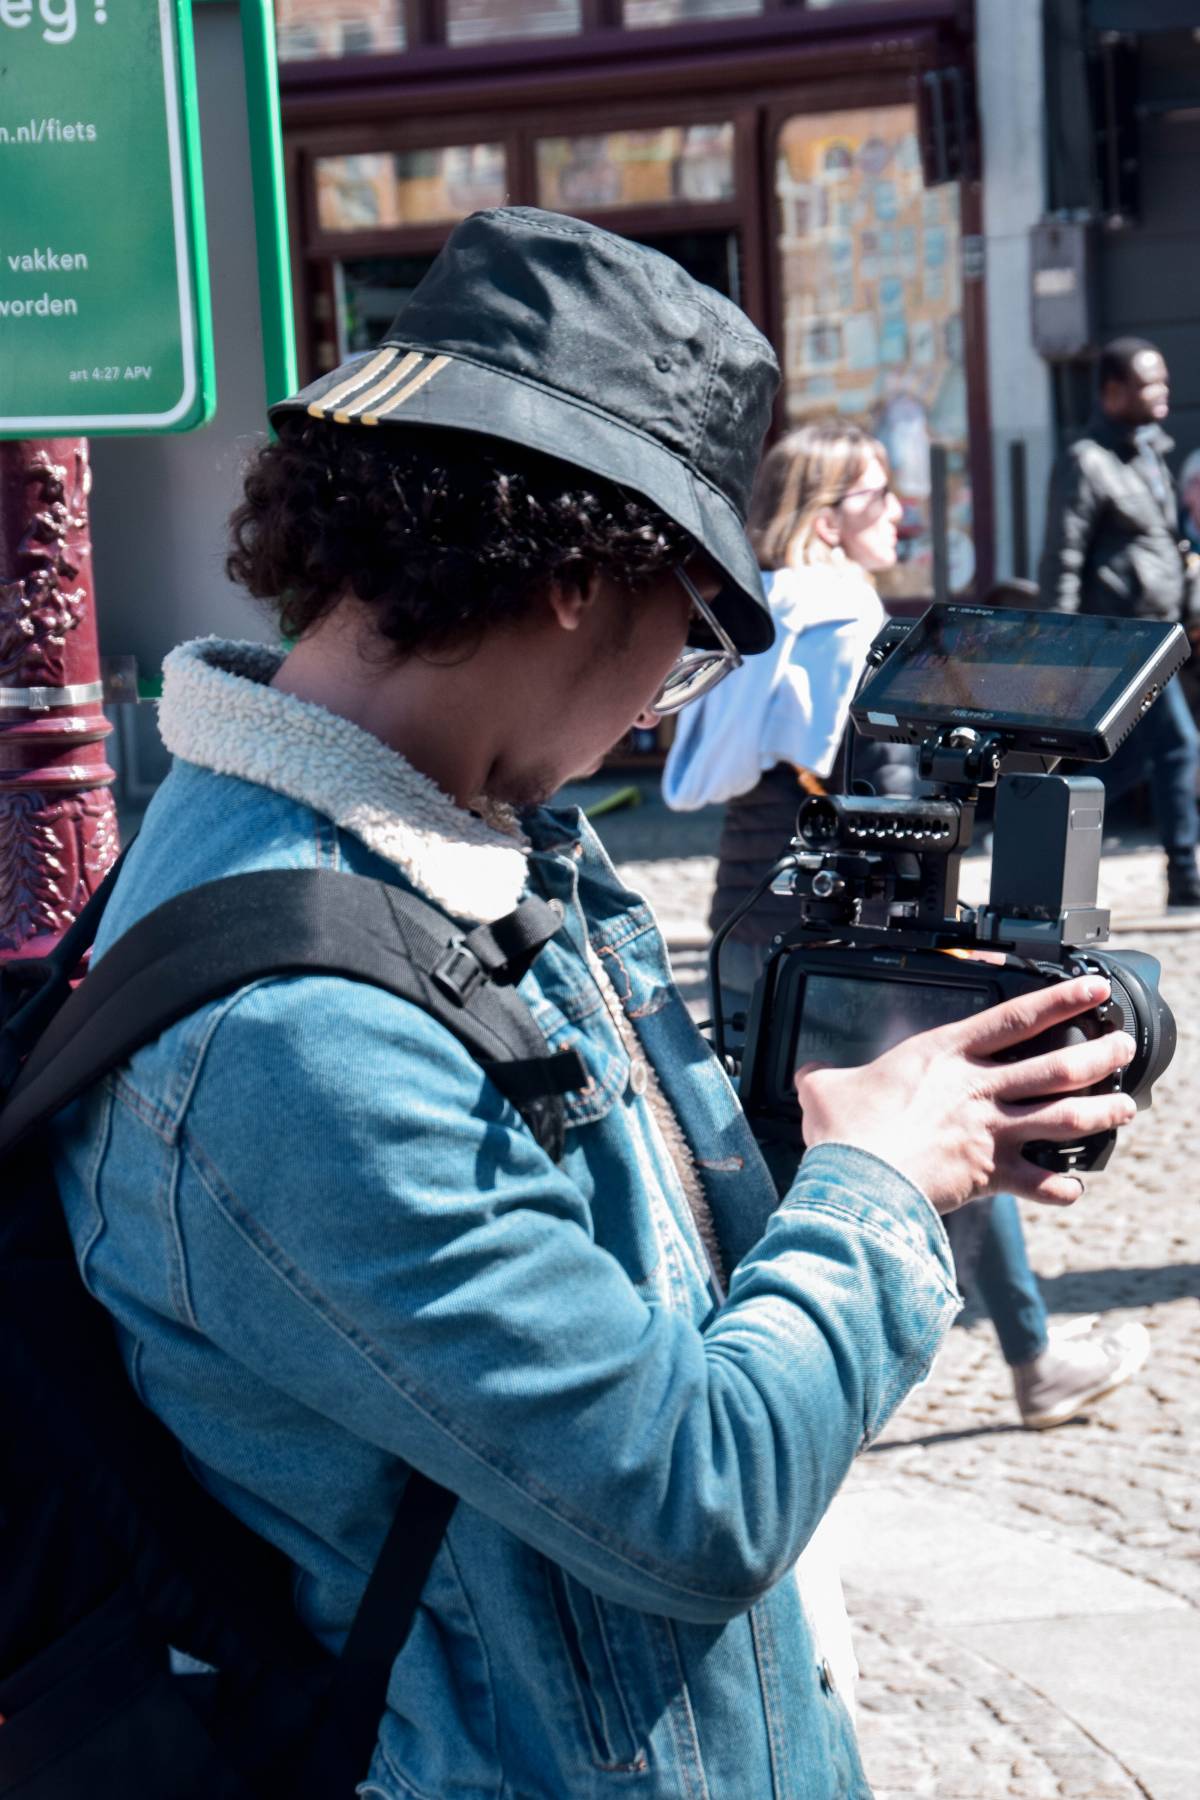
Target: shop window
491 21
688 163
312 28
676 12
377 190
369 291
872 310
713 257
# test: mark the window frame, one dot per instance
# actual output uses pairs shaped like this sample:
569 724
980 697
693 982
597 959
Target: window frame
519 141
426 22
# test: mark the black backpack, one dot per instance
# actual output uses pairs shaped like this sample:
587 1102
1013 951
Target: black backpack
111 1553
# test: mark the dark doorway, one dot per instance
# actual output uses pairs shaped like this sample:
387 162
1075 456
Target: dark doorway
370 292
712 257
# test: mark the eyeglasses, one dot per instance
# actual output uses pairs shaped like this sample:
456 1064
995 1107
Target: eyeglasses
876 496
697 668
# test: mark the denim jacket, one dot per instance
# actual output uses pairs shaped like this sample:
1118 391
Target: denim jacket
334 1252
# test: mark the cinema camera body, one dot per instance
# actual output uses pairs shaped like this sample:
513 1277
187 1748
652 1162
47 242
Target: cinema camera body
881 947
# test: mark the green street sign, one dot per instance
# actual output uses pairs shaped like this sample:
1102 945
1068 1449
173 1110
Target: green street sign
104 310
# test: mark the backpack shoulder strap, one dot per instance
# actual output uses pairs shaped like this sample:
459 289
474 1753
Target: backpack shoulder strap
33 989
216 938
386 1612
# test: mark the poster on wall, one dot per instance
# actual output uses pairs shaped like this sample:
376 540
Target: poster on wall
872 309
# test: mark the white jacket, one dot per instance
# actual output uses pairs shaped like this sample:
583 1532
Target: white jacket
788 705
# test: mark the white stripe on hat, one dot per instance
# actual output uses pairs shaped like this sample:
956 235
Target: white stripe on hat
397 400
362 377
354 411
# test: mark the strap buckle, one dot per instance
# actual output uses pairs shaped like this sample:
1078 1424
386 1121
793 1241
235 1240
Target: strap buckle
458 972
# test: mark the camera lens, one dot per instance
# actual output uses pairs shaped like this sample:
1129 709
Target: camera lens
1145 1015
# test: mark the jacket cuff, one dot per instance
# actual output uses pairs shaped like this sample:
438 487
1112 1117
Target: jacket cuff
878 1193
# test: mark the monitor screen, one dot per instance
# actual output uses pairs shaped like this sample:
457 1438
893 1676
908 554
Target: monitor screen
845 1021
1039 669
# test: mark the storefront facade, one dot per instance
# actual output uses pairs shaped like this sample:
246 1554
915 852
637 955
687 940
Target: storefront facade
816 163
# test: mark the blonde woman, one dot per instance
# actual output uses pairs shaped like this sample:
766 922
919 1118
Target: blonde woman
823 521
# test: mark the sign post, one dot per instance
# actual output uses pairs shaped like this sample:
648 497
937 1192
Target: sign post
104 328
270 206
58 826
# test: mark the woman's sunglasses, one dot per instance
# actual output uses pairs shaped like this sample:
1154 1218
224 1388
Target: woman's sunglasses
874 496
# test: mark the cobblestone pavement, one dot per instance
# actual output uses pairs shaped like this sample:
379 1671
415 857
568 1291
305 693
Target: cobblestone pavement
936 1720
1117 1487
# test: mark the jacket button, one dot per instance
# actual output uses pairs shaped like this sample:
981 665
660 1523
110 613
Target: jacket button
828 1684
558 909
639 1077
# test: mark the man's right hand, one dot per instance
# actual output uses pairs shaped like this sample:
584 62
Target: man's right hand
953 1120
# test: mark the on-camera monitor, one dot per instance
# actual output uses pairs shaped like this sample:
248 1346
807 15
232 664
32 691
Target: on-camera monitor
1038 670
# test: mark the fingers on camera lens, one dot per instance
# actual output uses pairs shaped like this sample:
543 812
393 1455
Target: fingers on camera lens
1082 1115
1062 1071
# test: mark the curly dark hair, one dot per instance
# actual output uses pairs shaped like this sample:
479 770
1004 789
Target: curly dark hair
442 533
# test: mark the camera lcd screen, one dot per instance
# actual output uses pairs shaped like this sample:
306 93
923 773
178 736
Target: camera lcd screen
846 1021
1043 670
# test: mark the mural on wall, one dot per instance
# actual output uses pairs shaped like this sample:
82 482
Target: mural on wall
872 300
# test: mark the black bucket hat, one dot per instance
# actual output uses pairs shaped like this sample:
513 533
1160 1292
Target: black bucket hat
548 332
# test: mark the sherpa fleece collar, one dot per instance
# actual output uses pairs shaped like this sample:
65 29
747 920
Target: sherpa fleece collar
219 711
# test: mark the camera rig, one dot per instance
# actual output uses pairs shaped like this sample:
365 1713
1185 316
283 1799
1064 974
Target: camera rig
881 947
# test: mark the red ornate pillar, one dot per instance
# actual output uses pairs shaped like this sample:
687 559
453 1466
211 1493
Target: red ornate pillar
58 824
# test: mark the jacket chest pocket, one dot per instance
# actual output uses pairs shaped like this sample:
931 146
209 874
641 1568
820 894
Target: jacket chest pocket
576 1020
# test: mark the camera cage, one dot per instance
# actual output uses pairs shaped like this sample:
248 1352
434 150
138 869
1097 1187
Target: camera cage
880 875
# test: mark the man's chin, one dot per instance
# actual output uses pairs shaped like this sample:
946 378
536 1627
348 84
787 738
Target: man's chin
536 786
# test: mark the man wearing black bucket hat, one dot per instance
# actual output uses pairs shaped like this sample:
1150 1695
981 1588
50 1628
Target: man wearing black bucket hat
346 1257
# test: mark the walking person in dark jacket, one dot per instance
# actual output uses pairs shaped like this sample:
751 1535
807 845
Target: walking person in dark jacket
1113 546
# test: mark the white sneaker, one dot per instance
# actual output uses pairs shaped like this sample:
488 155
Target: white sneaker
1081 1363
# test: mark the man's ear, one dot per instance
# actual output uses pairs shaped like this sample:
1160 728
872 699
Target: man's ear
570 595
